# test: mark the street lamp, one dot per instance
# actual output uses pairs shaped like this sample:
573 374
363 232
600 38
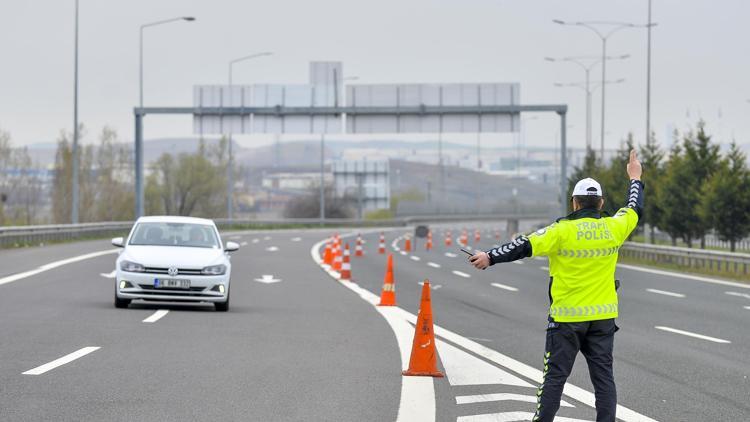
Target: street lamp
586 63
604 36
230 160
138 123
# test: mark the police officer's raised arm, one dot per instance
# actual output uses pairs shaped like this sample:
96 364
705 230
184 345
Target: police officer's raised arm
627 217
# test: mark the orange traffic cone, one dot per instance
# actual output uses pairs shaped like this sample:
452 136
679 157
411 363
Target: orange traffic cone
336 266
407 244
388 295
423 361
497 234
448 238
477 236
428 244
381 247
358 248
327 256
346 268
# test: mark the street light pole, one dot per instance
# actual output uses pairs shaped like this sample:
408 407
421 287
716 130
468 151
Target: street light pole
230 158
648 77
139 209
74 148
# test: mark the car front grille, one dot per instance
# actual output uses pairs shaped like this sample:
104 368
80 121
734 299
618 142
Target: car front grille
180 271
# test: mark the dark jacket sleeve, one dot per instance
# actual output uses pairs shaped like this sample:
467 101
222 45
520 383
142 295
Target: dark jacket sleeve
519 248
635 197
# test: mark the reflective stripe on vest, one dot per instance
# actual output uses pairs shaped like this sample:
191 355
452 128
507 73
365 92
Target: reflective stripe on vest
587 253
564 311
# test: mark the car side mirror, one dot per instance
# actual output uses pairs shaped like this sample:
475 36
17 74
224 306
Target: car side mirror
118 241
231 247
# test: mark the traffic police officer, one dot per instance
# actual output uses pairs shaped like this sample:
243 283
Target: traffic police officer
582 250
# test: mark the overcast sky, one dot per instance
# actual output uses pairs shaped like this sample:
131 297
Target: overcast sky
701 57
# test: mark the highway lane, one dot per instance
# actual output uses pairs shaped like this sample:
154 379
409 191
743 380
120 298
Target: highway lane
290 350
664 375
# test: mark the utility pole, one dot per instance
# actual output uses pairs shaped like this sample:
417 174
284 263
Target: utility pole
74 199
648 77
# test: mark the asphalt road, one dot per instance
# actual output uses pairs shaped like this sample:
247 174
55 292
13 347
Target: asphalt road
307 348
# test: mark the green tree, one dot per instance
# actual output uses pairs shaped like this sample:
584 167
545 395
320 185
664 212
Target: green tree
591 167
6 150
702 160
725 203
113 187
652 159
675 187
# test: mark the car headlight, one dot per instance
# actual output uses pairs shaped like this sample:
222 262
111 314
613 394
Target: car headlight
214 270
132 267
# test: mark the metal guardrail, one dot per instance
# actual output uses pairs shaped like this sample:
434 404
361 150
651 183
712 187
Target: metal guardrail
719 261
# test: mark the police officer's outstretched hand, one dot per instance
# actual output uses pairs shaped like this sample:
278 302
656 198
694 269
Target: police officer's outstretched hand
480 260
634 166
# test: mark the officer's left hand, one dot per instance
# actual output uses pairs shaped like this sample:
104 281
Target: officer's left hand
480 260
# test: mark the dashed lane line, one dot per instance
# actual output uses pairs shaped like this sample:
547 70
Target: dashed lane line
39 370
738 294
53 265
461 274
156 316
415 258
483 398
504 287
450 255
433 265
109 275
518 262
746 307
666 293
243 243
256 240
544 268
296 239
691 334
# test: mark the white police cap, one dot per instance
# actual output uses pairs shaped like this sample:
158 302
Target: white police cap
587 186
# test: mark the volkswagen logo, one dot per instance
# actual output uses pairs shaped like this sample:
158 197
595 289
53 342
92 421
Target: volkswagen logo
172 271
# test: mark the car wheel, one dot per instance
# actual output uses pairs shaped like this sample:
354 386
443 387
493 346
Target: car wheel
222 306
121 303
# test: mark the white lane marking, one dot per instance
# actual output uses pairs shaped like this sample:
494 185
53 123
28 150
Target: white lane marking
296 239
746 307
745 295
272 249
665 293
267 279
544 268
461 274
156 316
256 240
450 255
403 252
483 398
685 276
243 243
432 286
421 399
518 262
109 275
513 417
235 237
503 286
462 368
415 258
433 265
61 361
690 334
538 258
267 238
53 265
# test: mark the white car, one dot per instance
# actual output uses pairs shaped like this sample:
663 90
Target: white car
173 259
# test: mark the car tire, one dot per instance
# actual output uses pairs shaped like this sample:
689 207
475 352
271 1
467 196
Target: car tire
121 303
222 306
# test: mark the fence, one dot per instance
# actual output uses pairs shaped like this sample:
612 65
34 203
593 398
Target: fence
702 259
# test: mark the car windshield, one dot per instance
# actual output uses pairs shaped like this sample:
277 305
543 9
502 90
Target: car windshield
175 234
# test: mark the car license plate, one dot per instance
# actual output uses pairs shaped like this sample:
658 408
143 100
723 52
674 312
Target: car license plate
171 283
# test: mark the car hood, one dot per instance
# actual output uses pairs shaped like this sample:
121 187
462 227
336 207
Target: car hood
174 256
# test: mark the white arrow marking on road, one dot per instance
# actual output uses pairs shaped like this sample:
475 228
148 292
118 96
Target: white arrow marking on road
665 293
461 274
109 275
61 361
272 249
745 295
462 368
243 243
296 239
689 334
503 286
267 279
433 265
510 417
483 398
156 316
450 255
415 258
